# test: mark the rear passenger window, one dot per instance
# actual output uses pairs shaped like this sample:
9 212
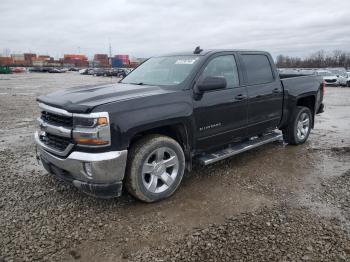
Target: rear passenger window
223 66
258 69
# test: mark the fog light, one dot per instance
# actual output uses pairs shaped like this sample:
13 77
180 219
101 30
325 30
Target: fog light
88 169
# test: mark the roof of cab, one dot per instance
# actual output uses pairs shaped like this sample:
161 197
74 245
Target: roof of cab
212 51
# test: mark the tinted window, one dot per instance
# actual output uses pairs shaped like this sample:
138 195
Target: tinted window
258 69
223 66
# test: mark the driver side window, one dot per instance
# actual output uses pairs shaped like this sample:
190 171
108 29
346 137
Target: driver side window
223 66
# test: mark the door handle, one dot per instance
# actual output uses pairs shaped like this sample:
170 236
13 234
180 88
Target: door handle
276 91
240 97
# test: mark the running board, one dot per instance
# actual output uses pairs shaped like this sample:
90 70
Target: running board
238 148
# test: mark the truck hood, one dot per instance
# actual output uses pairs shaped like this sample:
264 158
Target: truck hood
83 99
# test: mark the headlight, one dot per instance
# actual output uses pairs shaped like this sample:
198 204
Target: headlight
89 122
92 129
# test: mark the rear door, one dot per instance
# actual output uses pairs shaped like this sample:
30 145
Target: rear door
265 93
221 115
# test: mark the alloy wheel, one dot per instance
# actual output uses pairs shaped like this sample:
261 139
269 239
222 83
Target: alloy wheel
303 126
160 170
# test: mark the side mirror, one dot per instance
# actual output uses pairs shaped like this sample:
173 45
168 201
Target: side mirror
211 83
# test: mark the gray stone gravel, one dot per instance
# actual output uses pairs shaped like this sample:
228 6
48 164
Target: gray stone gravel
37 221
279 234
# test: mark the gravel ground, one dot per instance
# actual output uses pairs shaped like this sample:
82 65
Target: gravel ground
279 234
277 202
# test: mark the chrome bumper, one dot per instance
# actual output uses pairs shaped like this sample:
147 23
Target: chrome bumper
87 171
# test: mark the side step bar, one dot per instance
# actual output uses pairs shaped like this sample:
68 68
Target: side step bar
239 148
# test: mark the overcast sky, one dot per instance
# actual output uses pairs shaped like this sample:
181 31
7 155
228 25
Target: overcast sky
147 27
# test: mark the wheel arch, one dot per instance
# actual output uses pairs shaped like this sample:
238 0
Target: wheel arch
178 131
309 102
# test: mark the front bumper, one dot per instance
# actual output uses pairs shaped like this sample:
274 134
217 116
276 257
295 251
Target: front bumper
332 83
97 174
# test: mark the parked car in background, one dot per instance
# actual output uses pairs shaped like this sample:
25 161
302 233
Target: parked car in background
121 73
91 71
341 75
328 77
57 70
117 72
39 69
83 71
128 70
112 72
296 71
18 69
87 71
348 79
101 72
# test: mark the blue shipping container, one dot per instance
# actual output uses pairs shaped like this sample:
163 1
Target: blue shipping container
117 62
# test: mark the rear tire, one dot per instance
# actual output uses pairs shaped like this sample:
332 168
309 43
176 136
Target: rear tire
299 127
155 168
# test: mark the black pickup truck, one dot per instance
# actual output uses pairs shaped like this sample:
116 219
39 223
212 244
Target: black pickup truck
171 111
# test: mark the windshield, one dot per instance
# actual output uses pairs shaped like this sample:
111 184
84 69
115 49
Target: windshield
167 70
325 73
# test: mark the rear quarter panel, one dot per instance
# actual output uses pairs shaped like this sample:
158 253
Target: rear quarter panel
296 88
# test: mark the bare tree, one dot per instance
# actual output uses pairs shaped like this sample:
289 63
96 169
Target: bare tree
319 59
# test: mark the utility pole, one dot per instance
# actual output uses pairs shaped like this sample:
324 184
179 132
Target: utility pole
110 52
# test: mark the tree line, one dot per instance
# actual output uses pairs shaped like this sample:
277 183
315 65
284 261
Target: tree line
320 59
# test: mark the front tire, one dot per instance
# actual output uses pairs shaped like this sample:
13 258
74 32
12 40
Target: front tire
155 169
299 127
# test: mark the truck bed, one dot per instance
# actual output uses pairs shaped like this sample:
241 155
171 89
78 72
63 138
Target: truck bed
299 84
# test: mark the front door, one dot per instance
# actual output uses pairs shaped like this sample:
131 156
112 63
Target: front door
221 115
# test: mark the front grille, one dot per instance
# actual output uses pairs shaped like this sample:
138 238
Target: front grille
56 142
331 80
57 120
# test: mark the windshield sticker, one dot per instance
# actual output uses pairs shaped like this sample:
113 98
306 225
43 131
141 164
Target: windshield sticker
185 61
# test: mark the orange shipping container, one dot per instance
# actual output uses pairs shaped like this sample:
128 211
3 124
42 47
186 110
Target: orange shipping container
74 56
5 61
